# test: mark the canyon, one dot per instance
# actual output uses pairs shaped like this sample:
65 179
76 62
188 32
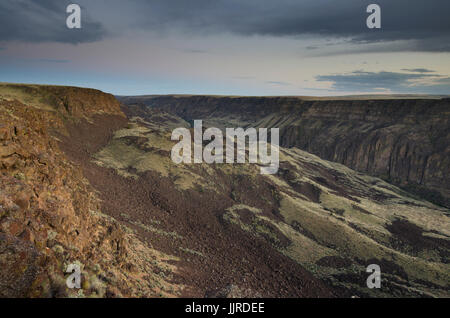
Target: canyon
405 141
87 178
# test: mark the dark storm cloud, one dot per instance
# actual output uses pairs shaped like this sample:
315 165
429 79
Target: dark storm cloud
394 81
424 24
43 21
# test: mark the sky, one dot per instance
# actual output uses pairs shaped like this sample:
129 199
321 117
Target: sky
229 47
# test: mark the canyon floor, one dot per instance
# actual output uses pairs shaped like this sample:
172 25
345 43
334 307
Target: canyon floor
88 179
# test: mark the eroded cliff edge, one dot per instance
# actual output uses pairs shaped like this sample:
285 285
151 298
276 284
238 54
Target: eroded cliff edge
50 216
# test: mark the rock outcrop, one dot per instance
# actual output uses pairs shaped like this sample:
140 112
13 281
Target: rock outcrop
50 216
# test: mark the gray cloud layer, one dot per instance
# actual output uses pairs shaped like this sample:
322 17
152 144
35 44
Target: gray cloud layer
43 21
418 70
395 81
425 24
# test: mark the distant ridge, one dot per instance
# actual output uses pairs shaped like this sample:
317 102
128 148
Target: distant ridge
311 98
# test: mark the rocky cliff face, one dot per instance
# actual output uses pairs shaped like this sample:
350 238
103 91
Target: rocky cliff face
81 102
404 141
50 216
66 101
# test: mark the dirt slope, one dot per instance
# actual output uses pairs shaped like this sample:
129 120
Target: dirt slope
189 224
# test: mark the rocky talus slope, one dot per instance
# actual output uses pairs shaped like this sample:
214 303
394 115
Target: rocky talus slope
404 141
50 216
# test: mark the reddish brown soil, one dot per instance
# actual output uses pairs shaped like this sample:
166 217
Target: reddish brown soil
407 234
230 256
